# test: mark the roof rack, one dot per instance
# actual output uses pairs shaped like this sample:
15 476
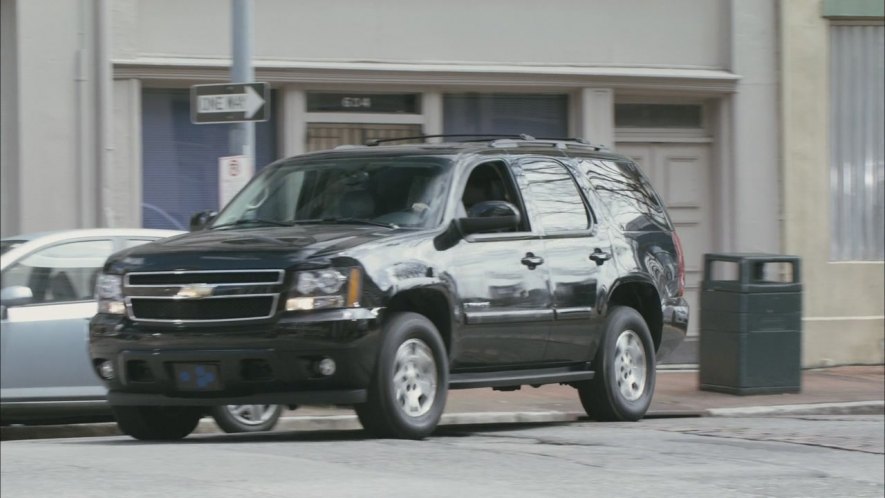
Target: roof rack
475 137
559 143
495 140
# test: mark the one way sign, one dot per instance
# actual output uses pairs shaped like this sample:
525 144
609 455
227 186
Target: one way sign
230 103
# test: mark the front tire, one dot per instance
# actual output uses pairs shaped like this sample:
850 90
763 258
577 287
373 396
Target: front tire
157 423
625 370
408 390
246 418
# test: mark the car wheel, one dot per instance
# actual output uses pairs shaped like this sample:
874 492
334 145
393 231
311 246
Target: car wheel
246 418
408 389
157 423
625 370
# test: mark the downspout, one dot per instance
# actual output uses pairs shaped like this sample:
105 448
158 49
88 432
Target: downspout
104 86
84 215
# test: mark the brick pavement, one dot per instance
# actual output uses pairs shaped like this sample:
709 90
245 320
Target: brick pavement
676 392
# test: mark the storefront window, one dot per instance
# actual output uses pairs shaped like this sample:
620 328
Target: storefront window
659 116
538 115
180 159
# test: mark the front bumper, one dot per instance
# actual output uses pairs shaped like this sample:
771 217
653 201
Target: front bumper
271 363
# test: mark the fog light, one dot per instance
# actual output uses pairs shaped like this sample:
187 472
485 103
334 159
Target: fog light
299 304
112 307
325 367
313 303
106 370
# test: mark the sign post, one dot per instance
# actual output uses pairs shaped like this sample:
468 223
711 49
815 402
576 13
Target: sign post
234 172
242 135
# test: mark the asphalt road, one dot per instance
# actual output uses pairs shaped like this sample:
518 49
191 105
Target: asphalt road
705 457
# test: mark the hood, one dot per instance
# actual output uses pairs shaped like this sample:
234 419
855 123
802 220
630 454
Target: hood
247 248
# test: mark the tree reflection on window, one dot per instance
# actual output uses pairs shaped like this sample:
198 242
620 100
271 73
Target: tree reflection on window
555 196
627 194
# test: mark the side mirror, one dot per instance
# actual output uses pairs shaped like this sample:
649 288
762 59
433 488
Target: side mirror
201 219
489 216
16 295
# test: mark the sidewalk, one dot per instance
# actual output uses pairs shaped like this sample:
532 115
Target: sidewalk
837 390
676 393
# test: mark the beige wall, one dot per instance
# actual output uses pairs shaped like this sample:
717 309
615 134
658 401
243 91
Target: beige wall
843 302
610 32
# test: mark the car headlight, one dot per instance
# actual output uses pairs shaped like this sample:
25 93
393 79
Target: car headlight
109 292
326 288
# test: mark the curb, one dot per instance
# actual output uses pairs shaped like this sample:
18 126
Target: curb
350 422
850 408
296 423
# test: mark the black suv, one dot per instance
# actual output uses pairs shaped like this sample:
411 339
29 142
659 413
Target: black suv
381 276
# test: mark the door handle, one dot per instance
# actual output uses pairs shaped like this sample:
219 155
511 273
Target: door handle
531 260
599 256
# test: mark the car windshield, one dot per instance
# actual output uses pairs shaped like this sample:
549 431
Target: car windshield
387 191
7 245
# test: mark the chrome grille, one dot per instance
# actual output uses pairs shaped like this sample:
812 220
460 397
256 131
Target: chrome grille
180 297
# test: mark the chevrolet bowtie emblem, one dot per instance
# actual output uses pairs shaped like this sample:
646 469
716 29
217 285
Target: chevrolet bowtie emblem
195 291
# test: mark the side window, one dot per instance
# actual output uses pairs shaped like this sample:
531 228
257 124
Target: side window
626 193
61 273
491 182
555 195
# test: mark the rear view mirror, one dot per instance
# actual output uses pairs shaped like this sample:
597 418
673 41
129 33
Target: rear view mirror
16 295
490 216
200 220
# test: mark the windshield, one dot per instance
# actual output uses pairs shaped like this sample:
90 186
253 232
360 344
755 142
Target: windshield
388 191
6 245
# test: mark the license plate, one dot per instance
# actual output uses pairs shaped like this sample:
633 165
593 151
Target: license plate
196 377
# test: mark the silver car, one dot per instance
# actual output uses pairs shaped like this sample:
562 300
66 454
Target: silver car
47 286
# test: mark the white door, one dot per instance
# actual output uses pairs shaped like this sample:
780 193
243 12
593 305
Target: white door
681 175
45 343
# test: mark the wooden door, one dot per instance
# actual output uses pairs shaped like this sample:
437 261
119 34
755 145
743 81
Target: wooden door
680 172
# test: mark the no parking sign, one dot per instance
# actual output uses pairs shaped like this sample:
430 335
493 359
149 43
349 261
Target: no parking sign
234 172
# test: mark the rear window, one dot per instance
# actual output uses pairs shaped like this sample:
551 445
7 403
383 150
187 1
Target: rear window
627 194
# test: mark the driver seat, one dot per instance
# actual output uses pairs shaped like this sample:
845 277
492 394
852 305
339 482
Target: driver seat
357 204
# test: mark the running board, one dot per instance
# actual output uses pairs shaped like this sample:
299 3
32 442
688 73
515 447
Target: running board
513 378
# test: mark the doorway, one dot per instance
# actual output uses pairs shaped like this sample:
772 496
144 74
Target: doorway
680 172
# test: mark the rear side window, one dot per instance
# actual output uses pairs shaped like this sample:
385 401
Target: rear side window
627 194
555 195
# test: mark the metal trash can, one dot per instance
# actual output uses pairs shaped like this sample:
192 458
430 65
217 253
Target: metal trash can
751 325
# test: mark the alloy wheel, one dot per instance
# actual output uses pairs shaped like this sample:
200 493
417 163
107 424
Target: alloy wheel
630 365
251 414
414 380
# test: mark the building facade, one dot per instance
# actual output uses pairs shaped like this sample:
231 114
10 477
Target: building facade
96 120
833 65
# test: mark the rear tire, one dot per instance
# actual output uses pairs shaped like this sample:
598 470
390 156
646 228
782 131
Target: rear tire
408 389
246 418
157 423
625 370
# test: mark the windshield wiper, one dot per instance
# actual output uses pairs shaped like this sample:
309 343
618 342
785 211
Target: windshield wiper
356 221
256 221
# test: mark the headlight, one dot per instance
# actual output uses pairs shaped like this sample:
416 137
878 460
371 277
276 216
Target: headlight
323 281
327 288
109 292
